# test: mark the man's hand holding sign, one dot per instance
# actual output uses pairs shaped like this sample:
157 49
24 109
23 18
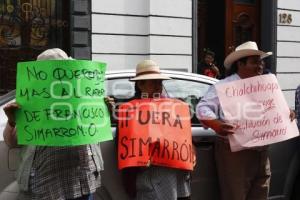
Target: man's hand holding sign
247 108
59 111
155 131
257 110
154 139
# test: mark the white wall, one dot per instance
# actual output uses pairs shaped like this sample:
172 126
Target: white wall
288 49
125 32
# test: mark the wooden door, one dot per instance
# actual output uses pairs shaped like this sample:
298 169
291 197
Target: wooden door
242 23
202 27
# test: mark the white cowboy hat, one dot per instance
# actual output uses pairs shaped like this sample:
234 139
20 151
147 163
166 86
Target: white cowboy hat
148 70
53 54
246 49
266 55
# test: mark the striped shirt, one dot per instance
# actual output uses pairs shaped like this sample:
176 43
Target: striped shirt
209 107
297 105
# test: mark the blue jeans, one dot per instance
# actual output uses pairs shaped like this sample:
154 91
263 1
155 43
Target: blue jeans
85 197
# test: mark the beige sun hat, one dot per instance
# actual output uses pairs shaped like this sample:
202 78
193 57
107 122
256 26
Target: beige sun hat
53 54
246 49
148 70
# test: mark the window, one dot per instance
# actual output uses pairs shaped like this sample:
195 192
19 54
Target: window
120 89
186 90
28 27
31 23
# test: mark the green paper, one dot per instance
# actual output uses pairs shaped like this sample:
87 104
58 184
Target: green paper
62 103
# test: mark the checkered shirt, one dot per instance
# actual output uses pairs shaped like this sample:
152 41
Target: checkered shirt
162 183
60 173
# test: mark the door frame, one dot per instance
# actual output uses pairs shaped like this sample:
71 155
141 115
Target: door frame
195 58
268 32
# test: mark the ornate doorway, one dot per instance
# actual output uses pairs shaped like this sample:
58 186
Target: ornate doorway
28 27
242 23
223 25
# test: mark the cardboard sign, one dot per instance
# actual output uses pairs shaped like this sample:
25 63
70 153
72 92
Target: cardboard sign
156 132
257 107
61 103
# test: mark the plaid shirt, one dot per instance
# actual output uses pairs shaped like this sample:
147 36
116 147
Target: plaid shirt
297 105
162 183
60 173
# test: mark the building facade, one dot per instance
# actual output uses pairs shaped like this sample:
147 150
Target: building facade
128 31
288 47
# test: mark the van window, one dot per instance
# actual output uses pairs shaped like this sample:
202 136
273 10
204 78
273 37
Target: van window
186 90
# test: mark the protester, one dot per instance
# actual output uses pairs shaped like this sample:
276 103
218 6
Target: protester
208 67
297 105
154 182
243 175
54 173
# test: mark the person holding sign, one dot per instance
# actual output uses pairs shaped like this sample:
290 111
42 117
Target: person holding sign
243 175
52 173
153 178
297 105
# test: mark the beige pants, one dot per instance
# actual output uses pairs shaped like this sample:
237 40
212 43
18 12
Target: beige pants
243 175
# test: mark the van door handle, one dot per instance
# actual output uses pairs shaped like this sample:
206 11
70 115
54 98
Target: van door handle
203 145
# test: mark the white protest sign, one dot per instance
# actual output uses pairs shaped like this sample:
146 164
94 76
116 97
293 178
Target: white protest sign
258 109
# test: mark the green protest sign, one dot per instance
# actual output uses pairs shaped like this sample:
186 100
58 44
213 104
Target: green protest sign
61 103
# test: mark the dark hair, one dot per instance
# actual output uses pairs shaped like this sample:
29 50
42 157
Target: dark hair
209 52
234 67
138 92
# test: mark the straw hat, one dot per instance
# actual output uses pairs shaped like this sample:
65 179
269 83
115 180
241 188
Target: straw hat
147 70
244 50
53 54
